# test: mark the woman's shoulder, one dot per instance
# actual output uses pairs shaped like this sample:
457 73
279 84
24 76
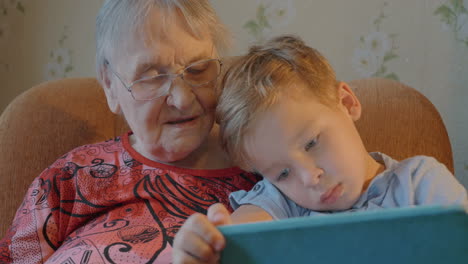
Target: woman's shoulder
107 146
89 153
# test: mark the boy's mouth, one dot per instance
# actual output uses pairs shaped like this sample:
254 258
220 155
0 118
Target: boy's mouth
332 194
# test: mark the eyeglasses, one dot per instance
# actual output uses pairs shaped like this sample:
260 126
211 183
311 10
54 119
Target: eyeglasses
196 75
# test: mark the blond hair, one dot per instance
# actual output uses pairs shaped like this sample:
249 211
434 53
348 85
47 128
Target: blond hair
256 81
118 19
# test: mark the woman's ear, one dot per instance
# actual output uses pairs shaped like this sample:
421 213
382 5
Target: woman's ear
111 94
349 101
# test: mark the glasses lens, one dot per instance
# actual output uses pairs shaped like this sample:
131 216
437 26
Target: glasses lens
197 74
151 88
202 72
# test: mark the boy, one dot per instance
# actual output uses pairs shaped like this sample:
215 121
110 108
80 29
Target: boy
284 115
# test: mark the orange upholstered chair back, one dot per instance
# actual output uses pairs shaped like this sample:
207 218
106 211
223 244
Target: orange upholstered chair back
401 122
50 119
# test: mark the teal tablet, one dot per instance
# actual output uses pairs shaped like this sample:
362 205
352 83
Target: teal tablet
424 234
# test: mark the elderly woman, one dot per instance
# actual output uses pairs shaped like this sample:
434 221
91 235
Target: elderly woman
122 201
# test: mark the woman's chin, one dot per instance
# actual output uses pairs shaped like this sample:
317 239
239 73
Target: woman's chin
174 154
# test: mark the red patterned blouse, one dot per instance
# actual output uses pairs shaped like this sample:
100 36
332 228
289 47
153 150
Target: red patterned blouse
105 203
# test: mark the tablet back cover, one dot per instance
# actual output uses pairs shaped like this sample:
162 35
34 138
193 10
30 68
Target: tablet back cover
425 234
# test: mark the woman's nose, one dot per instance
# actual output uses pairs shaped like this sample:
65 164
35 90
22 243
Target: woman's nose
180 95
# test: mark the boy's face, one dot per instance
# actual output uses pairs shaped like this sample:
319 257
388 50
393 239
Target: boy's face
312 152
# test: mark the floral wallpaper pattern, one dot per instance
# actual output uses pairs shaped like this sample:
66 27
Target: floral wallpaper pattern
60 63
4 33
270 14
375 50
454 15
8 8
421 43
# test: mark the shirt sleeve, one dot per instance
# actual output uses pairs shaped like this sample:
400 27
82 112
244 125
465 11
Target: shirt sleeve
266 196
37 228
434 184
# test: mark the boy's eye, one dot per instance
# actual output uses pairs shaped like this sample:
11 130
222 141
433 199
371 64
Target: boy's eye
311 144
283 175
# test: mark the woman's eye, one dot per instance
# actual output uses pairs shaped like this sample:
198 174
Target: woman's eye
311 144
197 69
283 175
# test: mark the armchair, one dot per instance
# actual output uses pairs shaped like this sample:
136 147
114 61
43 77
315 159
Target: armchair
52 118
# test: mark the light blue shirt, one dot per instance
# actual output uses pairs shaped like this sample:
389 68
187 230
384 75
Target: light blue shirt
419 180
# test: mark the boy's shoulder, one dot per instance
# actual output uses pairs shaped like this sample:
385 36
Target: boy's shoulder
412 165
422 164
414 170
424 180
421 159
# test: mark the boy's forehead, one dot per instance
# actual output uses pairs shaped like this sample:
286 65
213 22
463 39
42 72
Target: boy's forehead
268 130
288 122
292 117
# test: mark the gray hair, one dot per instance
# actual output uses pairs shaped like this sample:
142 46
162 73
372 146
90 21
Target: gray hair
118 17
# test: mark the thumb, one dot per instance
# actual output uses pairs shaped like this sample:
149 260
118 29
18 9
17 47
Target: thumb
219 215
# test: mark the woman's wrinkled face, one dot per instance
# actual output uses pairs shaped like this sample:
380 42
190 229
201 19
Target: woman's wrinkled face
170 127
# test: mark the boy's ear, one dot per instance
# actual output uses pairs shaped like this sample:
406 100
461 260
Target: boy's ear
111 94
349 101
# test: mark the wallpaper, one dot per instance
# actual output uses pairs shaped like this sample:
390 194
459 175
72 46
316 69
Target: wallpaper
421 43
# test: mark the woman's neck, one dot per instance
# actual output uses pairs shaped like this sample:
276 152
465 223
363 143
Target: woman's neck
208 155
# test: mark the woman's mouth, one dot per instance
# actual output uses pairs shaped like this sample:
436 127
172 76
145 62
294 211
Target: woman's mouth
332 194
182 121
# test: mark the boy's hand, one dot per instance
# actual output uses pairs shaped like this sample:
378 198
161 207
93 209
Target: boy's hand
198 240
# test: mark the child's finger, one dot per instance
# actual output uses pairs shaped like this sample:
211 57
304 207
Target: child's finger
206 230
182 257
219 215
189 247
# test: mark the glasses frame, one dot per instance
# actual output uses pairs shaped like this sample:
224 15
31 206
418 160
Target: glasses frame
172 77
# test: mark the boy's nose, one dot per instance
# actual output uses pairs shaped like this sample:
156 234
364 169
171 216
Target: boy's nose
311 176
